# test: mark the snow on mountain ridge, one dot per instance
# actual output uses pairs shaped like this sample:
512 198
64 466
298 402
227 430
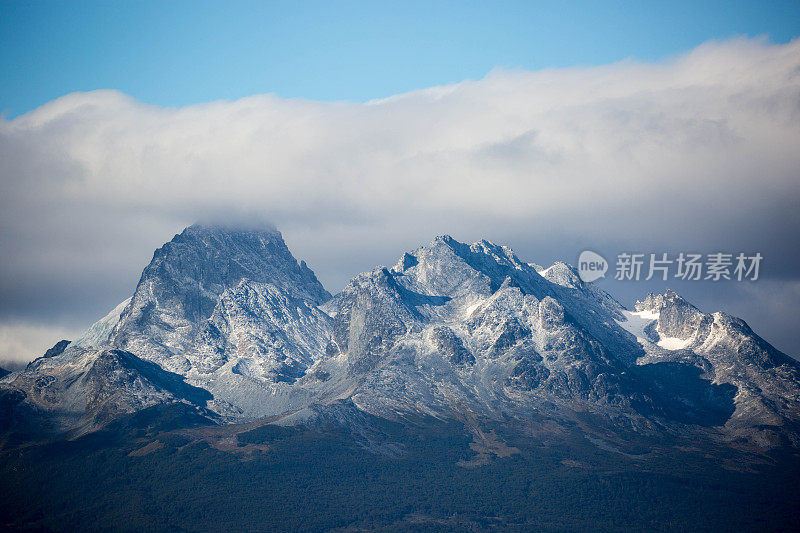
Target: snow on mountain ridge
450 326
179 289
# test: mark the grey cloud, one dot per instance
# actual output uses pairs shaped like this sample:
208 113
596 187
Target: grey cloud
699 153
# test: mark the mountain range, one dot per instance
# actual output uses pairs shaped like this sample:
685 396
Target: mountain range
226 324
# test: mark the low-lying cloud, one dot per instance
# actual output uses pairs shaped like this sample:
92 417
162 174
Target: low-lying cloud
698 153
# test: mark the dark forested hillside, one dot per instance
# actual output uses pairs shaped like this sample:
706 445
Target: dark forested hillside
421 476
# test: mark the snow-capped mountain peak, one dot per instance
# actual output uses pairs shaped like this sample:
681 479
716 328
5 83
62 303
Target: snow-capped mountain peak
451 326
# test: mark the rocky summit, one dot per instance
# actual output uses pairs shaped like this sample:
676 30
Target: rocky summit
226 324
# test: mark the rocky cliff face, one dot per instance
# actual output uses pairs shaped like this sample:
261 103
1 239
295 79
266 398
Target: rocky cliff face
181 287
454 326
227 320
767 381
81 390
214 301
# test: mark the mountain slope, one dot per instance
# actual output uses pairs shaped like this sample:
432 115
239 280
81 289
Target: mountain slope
767 381
196 284
226 319
179 289
83 389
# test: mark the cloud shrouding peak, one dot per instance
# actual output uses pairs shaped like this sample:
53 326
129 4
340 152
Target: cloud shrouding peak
699 153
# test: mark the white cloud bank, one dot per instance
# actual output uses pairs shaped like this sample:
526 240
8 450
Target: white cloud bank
19 343
701 152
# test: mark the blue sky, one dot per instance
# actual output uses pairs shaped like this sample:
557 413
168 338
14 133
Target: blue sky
179 53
